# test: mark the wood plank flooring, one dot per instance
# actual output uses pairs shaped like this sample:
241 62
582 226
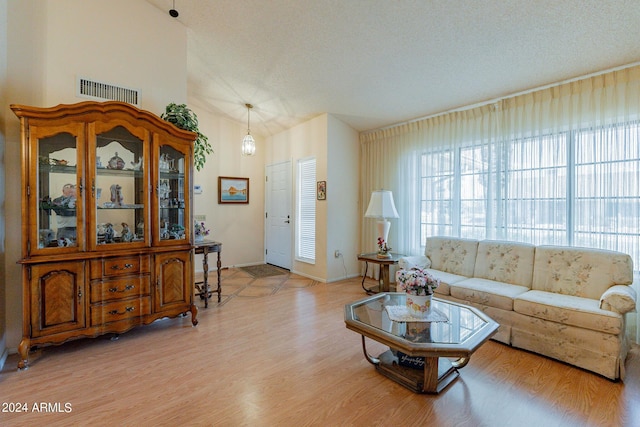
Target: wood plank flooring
276 352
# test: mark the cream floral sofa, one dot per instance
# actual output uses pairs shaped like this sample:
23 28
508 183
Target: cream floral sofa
563 302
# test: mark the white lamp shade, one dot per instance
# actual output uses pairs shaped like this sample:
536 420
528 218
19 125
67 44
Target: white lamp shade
248 145
381 205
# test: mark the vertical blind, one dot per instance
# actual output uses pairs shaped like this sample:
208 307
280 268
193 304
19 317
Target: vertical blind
306 211
559 165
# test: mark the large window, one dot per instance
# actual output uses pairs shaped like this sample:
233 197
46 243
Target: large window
306 211
572 188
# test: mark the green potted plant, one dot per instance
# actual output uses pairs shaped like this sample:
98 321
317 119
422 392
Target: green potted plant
181 116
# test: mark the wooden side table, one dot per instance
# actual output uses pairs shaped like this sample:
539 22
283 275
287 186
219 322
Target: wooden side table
202 287
384 263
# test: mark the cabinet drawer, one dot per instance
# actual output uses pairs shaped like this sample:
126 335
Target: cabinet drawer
118 266
119 310
126 287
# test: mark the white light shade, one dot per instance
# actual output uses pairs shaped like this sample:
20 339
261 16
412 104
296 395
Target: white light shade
248 145
381 205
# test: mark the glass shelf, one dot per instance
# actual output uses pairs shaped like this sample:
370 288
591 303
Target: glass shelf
47 169
119 172
137 206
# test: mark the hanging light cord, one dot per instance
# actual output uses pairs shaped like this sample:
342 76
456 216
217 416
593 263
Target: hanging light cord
249 107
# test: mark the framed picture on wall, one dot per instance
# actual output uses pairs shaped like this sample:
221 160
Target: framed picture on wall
233 190
322 190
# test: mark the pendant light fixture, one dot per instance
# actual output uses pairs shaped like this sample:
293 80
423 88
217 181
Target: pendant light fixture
248 143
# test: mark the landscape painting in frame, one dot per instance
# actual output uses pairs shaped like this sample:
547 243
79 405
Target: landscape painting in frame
233 190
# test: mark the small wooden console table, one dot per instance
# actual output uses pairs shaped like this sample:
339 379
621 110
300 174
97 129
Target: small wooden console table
202 287
383 282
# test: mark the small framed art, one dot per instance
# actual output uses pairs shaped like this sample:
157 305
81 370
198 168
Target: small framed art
233 190
322 190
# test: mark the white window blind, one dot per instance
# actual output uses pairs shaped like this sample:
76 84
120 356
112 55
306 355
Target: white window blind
572 188
306 211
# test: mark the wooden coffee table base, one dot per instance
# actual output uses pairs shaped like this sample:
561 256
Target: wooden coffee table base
444 346
437 374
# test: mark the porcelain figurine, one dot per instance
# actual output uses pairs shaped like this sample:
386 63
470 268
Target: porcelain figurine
127 235
137 166
116 194
108 233
115 162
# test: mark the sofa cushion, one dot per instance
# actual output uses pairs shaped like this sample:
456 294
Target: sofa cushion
446 279
506 262
580 272
452 255
568 310
487 292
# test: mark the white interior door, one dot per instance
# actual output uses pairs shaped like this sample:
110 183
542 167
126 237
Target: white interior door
278 215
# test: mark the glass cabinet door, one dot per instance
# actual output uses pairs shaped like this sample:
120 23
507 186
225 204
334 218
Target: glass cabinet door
172 193
58 179
118 186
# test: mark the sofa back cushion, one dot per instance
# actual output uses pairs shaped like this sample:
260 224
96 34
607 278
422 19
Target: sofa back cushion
580 272
452 255
507 262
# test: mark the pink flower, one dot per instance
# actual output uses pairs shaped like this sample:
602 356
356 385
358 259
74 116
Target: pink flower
382 245
416 282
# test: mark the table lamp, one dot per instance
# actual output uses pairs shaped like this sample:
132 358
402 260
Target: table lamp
381 207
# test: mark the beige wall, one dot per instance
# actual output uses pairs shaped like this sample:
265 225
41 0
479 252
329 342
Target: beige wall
343 215
121 42
335 147
240 228
3 114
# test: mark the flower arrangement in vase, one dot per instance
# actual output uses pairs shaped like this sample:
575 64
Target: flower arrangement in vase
200 230
383 249
419 286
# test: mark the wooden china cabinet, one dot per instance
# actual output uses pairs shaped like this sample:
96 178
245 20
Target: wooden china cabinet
107 235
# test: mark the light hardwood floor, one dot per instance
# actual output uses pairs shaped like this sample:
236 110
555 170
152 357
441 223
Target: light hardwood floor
276 353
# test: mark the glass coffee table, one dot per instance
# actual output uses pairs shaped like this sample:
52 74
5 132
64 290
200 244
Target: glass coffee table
420 353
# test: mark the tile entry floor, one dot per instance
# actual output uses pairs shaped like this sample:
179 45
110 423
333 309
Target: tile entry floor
238 284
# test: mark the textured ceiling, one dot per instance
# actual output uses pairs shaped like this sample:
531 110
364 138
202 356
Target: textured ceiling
373 63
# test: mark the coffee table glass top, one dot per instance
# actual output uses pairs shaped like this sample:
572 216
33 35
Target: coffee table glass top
464 322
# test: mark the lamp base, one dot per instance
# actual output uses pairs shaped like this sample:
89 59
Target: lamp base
384 255
383 228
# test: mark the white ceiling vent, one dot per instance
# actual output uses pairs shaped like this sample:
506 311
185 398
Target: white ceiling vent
104 91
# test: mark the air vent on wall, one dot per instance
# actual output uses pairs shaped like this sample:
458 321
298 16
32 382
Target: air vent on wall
103 91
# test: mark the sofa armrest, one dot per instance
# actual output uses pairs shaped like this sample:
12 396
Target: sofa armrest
618 298
409 262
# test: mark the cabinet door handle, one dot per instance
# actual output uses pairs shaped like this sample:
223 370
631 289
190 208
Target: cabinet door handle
126 310
117 267
79 293
126 288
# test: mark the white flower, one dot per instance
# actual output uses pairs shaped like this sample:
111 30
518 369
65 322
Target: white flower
416 281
